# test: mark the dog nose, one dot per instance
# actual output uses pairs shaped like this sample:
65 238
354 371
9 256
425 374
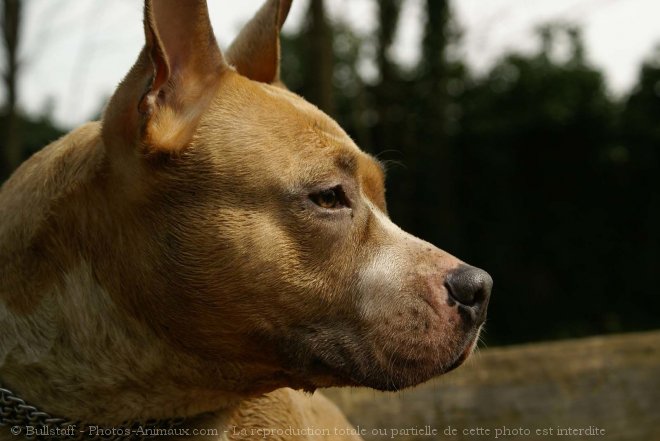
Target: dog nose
470 287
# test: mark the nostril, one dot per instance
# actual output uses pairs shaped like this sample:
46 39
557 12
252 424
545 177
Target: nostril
469 286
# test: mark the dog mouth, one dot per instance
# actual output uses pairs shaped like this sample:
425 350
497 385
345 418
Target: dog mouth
462 358
358 367
413 377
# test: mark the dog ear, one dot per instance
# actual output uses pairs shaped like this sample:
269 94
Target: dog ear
186 63
255 53
160 102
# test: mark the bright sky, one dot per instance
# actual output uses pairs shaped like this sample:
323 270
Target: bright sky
75 52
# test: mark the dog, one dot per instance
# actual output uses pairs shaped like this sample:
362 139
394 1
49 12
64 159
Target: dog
209 254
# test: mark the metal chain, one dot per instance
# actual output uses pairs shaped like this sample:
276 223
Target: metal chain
17 414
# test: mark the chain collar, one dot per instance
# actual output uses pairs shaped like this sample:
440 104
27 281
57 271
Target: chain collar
31 423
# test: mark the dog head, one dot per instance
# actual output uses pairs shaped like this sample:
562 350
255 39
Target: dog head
255 233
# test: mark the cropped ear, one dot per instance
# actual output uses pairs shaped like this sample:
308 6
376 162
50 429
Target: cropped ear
159 104
256 51
186 63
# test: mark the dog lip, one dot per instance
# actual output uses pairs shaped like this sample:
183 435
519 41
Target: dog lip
412 379
458 362
331 369
464 355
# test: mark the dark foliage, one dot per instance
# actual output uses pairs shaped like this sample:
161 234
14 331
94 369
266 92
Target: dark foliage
36 132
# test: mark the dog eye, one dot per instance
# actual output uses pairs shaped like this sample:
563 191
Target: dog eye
333 198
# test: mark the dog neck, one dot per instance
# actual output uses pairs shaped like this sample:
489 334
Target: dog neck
77 356
66 345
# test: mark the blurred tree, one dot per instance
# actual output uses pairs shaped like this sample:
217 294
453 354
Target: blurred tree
388 18
11 29
640 154
413 124
387 93
437 161
38 132
331 80
389 97
320 56
537 198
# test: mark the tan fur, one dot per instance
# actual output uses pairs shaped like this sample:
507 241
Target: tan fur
256 51
168 261
286 414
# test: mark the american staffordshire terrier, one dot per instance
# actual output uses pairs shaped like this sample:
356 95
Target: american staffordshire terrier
210 249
